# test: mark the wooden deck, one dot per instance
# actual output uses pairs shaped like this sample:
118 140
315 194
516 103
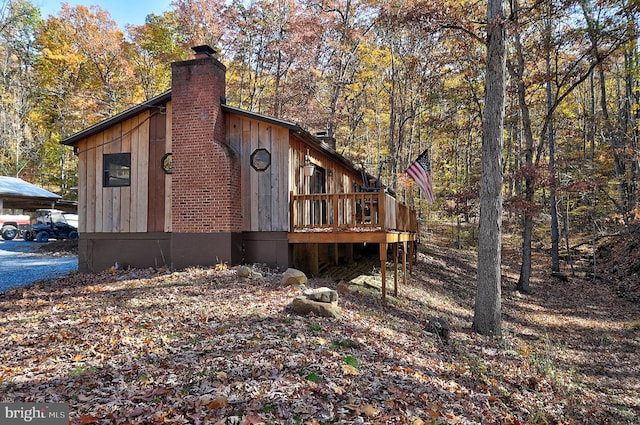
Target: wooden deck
353 218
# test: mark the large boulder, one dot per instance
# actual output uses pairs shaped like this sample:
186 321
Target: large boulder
323 295
305 306
292 277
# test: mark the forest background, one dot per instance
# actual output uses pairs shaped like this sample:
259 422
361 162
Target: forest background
386 79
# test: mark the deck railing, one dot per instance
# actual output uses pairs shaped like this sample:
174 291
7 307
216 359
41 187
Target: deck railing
350 211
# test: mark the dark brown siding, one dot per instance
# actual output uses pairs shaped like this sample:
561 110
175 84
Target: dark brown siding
157 143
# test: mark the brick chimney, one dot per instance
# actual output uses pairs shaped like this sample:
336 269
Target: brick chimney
206 209
325 138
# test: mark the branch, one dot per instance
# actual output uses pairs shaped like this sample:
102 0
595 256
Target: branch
466 31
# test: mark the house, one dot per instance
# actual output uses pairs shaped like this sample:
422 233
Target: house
184 179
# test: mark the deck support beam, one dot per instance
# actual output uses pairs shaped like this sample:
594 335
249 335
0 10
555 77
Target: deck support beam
395 269
404 264
383 270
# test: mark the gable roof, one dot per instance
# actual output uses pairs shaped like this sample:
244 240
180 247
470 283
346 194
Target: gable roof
165 97
154 102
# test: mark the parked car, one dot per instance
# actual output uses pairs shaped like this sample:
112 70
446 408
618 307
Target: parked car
50 223
72 219
12 226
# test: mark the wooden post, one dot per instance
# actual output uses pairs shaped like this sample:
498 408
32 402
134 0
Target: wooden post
349 253
411 254
292 212
382 209
383 270
335 212
395 269
314 262
404 264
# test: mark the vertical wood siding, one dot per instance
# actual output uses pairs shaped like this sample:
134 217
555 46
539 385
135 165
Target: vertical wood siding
157 149
342 179
115 209
265 194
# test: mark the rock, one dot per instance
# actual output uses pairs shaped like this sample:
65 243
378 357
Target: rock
323 295
243 271
371 281
439 327
305 306
293 277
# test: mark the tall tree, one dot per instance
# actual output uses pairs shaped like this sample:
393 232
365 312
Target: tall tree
573 60
18 142
201 21
153 46
346 23
487 319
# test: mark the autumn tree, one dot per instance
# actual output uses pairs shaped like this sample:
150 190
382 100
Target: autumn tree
201 21
82 68
345 24
151 49
18 143
568 62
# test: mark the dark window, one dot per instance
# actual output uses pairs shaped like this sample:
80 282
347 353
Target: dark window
117 169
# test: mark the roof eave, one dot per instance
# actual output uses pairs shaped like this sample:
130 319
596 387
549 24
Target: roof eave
102 125
301 133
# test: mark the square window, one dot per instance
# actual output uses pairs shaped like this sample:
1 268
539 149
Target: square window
116 169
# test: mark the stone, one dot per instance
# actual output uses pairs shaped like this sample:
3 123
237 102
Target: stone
303 305
293 277
243 271
323 295
439 327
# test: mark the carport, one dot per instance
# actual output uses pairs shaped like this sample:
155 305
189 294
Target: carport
17 194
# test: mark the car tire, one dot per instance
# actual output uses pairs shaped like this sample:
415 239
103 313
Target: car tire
29 235
73 235
42 236
9 233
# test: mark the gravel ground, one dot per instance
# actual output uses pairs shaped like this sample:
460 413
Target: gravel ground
21 264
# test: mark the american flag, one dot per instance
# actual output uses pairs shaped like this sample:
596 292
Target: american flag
420 171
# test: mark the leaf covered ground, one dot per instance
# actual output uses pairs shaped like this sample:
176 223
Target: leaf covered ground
203 346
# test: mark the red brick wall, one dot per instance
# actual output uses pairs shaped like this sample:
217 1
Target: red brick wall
206 171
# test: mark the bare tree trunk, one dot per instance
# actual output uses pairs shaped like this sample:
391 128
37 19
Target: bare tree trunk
555 236
487 311
592 118
529 174
616 144
631 122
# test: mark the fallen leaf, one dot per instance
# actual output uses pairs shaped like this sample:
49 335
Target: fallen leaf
347 369
369 411
150 395
252 420
218 403
88 419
